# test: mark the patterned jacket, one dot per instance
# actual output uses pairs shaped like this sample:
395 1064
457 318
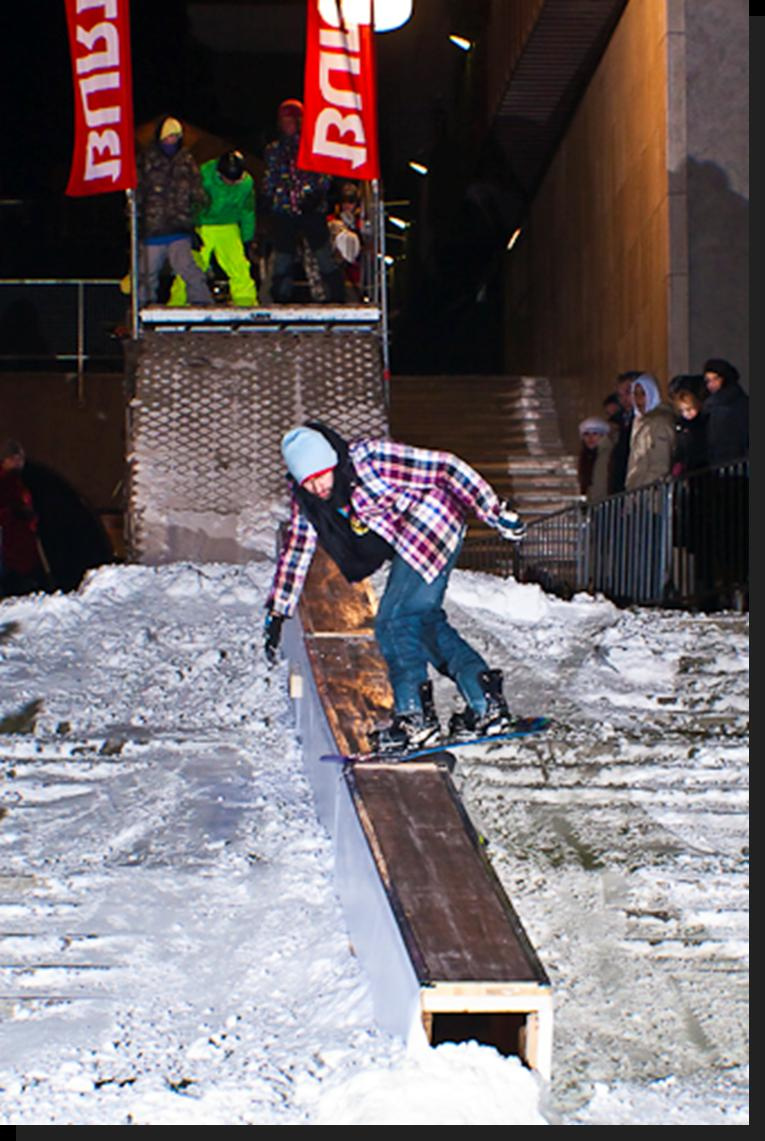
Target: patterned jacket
169 192
416 499
286 188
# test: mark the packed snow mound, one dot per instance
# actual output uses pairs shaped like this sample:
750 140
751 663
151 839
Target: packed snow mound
171 947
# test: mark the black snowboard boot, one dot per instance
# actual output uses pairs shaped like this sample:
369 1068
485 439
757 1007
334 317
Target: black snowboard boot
495 719
414 730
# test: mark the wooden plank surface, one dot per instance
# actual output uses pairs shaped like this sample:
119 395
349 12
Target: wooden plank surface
452 910
349 670
330 605
353 685
454 916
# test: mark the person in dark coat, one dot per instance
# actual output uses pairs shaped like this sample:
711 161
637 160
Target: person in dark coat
22 564
71 532
296 204
169 193
623 420
688 393
727 412
691 536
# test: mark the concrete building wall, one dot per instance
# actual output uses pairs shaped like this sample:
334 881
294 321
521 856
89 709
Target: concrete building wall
712 38
640 223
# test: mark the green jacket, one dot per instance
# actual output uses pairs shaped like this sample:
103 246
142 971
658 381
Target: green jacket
229 202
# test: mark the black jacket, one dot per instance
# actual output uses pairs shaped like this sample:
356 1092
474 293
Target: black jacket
727 416
691 448
357 550
620 453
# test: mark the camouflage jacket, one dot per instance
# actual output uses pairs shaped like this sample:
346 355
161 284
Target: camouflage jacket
169 192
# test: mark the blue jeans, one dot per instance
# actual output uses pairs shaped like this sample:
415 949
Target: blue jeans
412 630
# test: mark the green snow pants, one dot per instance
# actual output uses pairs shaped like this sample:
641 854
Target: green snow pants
226 243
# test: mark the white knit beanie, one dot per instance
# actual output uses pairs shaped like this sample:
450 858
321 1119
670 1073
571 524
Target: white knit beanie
593 424
307 453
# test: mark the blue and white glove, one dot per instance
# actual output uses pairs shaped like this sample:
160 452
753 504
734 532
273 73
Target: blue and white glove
509 524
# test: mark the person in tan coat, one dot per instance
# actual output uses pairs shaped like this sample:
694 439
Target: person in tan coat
653 437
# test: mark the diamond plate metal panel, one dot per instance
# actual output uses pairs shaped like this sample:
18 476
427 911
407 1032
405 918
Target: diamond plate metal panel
205 423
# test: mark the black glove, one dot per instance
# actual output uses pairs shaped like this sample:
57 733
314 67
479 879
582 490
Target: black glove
272 630
509 524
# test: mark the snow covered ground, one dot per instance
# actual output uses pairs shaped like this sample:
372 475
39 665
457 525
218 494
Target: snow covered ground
171 947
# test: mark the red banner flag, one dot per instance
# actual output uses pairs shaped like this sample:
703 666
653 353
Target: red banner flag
99 44
339 134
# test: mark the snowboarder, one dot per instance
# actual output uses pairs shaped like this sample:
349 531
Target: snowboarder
226 228
369 501
296 204
168 194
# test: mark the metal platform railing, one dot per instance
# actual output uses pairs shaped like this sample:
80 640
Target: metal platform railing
677 542
51 323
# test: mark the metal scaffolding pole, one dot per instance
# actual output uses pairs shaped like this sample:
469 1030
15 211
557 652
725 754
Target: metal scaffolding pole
133 215
381 283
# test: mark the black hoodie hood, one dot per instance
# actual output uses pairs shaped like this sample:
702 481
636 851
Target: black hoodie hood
357 550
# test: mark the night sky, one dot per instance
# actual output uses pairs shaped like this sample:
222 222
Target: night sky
212 73
173 72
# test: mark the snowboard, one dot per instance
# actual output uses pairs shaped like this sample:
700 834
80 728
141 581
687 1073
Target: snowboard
522 727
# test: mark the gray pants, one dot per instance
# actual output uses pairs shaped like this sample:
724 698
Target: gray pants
150 262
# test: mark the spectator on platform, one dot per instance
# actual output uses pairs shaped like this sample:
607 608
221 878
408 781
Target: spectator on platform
296 201
597 441
370 501
226 228
727 412
346 234
169 193
23 568
624 419
652 438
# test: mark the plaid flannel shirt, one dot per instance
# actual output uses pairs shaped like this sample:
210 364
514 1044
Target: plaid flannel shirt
416 499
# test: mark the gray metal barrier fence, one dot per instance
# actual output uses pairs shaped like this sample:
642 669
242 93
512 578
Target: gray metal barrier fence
677 542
